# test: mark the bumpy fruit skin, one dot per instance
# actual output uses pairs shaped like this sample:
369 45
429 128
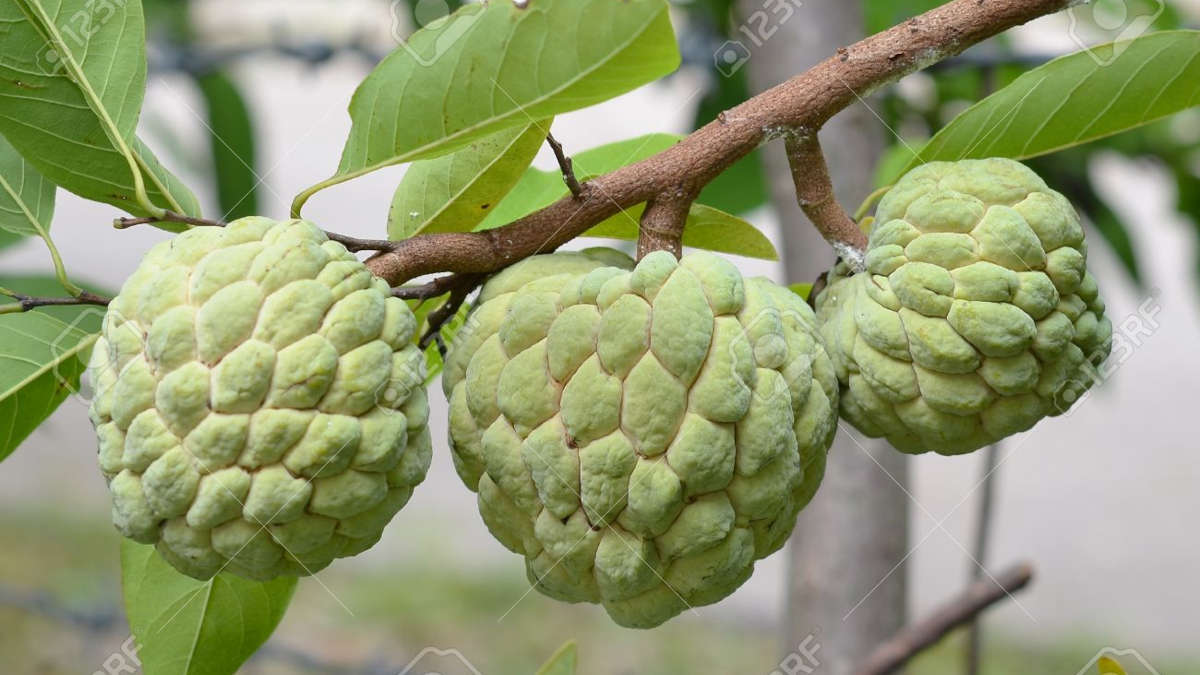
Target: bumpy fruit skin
259 403
976 316
640 437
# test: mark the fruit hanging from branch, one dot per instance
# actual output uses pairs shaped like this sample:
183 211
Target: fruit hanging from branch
976 316
260 405
640 434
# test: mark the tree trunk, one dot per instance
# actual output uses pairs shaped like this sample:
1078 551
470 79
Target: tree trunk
845 582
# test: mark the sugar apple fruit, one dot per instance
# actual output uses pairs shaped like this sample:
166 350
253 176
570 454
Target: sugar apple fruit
259 404
976 315
640 436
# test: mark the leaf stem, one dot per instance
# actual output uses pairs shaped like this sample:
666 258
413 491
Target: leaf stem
24 303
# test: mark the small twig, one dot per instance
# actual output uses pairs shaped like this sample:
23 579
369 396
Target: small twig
814 192
661 227
167 217
24 303
566 166
459 286
354 244
977 597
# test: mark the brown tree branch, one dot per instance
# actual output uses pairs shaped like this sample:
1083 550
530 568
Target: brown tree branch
802 104
814 192
661 227
459 286
565 166
24 303
167 217
354 244
975 599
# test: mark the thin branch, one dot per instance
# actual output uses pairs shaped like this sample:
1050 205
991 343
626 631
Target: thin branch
814 192
661 227
803 102
977 597
354 244
566 166
459 286
167 217
24 303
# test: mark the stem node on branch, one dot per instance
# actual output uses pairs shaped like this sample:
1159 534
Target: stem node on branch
661 226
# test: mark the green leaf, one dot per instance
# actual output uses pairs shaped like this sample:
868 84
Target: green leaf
42 355
231 139
563 662
8 239
27 206
26 197
489 67
1077 98
188 627
454 192
802 290
706 227
72 79
538 189
893 163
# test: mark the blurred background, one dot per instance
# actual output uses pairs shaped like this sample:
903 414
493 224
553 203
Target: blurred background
247 103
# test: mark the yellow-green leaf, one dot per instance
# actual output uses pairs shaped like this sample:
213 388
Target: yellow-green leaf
492 66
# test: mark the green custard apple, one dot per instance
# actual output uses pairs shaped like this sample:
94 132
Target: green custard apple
641 436
260 406
976 315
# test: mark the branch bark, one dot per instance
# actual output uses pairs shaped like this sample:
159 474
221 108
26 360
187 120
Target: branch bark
661 227
814 193
801 104
975 599
565 165
24 303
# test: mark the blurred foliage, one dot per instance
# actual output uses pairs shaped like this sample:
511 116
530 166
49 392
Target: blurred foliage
231 140
401 603
228 120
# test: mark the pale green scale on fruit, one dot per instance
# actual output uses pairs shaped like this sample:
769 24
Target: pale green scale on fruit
976 316
640 434
260 406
